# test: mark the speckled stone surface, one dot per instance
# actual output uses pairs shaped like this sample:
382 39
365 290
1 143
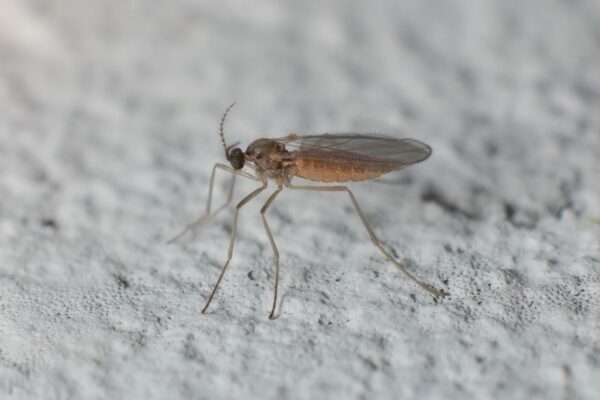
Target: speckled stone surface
108 131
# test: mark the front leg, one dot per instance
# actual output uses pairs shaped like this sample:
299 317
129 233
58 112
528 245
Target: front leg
207 214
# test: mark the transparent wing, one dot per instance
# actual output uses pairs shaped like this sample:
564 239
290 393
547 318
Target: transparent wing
356 147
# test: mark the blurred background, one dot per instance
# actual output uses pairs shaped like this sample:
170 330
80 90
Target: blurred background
109 113
126 96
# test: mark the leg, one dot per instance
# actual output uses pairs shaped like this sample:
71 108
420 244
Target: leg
232 240
207 214
402 268
275 252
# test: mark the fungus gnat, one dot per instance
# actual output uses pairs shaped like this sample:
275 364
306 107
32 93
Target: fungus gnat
323 158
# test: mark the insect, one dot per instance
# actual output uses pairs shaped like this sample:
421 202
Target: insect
324 158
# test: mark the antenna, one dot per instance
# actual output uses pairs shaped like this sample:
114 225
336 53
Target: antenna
221 128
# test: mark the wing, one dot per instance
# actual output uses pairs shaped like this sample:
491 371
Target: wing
355 147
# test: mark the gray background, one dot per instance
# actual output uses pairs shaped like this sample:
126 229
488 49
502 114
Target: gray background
108 119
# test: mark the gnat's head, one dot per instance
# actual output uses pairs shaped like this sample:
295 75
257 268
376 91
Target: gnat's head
234 155
261 154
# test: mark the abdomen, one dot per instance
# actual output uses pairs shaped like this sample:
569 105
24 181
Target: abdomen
337 171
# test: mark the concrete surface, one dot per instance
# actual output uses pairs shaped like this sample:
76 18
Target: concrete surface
108 120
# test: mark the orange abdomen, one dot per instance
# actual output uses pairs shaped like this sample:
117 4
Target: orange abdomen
333 171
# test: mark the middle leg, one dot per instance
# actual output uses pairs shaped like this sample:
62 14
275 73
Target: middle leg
275 252
232 240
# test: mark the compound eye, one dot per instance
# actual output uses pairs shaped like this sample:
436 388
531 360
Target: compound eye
236 158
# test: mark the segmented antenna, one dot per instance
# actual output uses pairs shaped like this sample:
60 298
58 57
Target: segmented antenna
221 127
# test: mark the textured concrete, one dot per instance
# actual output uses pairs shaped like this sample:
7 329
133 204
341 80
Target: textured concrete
108 120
